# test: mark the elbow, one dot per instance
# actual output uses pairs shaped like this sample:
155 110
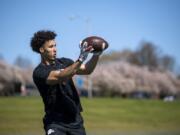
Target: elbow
89 72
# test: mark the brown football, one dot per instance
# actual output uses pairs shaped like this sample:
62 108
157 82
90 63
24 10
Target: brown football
98 43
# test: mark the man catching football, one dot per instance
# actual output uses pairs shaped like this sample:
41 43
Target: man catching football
53 78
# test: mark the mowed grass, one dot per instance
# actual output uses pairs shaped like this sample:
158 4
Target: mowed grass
105 116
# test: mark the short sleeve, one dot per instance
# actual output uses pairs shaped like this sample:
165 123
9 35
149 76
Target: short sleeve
41 74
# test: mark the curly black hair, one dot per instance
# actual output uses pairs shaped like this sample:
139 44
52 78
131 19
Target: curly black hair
40 38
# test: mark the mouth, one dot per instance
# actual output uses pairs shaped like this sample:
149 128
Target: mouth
53 57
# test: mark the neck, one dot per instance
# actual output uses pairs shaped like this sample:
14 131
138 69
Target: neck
47 61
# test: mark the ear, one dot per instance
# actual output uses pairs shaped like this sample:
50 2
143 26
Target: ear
41 49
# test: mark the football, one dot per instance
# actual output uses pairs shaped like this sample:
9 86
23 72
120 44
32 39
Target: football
98 43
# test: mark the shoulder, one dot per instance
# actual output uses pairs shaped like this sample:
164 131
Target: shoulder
37 68
41 71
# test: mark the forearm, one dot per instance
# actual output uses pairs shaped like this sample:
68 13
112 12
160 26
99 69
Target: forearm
91 64
69 71
58 76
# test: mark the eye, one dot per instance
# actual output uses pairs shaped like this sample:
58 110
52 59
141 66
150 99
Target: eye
51 46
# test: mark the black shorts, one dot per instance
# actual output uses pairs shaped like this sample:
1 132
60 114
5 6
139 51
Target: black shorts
54 129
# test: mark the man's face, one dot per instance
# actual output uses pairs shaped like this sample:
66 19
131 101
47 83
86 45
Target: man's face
48 50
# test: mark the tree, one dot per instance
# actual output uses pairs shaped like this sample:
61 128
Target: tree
125 55
167 62
23 62
147 54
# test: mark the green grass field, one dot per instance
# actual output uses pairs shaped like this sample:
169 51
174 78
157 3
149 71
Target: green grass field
103 116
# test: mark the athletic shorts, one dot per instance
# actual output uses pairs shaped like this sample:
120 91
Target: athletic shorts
54 129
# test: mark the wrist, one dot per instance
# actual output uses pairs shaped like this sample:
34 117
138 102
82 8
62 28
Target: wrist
79 60
97 53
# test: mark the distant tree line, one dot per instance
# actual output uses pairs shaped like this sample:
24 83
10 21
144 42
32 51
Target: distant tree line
16 78
23 62
147 54
145 72
20 61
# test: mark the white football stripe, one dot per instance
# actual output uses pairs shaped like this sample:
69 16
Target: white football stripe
103 45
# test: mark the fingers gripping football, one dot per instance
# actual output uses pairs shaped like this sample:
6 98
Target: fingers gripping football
84 51
98 44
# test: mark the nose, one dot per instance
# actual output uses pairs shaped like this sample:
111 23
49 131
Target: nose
54 49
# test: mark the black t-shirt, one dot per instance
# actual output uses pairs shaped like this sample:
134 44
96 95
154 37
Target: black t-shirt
61 101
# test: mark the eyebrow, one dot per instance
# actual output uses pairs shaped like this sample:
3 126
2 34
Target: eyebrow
52 44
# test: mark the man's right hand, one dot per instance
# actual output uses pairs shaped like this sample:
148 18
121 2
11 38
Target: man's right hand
84 51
